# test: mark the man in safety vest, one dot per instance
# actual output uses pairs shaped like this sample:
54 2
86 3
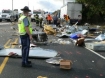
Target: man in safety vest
25 31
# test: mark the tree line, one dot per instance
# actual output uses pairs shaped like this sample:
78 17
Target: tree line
93 10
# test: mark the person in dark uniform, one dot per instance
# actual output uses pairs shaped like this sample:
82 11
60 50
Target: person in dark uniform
40 21
17 17
25 31
55 19
37 19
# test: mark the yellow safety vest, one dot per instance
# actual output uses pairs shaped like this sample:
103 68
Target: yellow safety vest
21 27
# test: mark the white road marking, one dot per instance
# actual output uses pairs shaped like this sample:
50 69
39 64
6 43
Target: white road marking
96 53
4 23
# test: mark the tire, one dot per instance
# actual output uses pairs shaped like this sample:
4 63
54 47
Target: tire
8 20
0 20
33 20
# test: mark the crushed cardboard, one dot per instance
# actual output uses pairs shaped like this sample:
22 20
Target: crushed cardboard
49 30
41 77
66 64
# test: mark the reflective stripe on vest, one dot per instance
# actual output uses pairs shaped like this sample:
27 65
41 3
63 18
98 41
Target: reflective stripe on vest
21 27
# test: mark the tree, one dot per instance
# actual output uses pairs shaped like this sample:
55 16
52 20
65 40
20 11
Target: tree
93 9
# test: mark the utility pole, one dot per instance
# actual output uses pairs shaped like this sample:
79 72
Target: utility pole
28 3
12 11
63 2
12 5
33 8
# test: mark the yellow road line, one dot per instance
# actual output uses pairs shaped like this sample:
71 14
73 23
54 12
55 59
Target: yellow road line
3 64
16 40
6 58
5 46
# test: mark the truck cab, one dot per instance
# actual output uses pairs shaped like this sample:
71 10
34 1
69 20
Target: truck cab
39 12
0 17
9 15
5 15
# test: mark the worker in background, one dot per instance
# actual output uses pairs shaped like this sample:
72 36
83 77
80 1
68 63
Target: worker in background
40 21
58 22
25 31
37 19
20 15
67 19
55 19
49 19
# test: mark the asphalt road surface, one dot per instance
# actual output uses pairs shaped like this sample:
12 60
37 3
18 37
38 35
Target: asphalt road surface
86 64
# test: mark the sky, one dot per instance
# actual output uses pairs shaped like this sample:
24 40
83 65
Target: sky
46 5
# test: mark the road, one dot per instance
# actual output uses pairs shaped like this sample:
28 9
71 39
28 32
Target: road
85 63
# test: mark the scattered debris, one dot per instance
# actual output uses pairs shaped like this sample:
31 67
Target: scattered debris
49 30
15 35
39 38
55 60
75 61
1 47
13 28
12 54
100 37
14 43
41 77
20 46
93 61
87 77
90 68
66 64
101 74
32 45
60 41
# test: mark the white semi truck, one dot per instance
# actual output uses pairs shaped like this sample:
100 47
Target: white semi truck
72 9
39 12
9 15
0 17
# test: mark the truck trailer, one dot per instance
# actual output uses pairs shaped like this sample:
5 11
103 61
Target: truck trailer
73 9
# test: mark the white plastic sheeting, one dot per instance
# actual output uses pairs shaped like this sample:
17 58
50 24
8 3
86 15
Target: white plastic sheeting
100 37
35 52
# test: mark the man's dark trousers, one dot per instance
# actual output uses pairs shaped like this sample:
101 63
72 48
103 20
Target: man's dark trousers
25 42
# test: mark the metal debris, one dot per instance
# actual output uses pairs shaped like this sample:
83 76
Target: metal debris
41 77
93 61
55 60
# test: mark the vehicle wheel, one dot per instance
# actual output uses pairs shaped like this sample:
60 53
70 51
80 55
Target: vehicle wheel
8 20
34 20
0 20
31 20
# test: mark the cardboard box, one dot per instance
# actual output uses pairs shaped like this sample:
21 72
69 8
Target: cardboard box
79 42
65 64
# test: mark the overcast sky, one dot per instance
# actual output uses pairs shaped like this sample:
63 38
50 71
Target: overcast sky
47 5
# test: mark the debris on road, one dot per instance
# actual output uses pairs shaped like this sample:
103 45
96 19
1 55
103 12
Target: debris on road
41 77
49 30
39 38
60 41
55 60
93 61
66 64
14 43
